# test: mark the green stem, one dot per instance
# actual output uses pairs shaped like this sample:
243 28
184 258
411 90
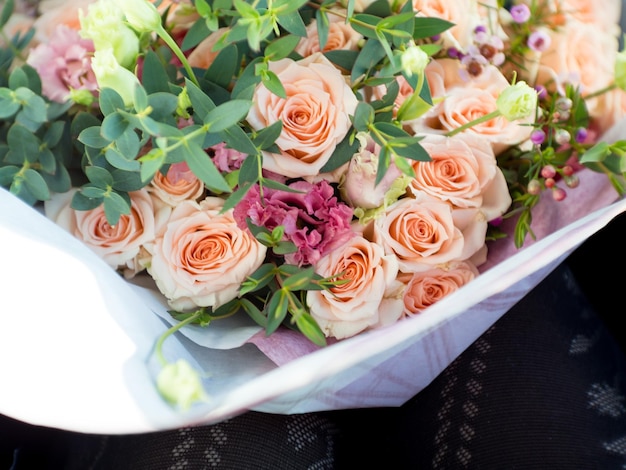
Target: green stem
480 120
158 347
601 91
174 47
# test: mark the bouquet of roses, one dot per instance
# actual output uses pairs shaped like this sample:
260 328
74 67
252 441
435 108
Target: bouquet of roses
328 167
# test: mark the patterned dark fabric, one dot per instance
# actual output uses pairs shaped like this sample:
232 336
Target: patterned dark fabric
544 388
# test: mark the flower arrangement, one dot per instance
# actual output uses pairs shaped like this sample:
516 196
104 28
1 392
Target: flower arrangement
325 166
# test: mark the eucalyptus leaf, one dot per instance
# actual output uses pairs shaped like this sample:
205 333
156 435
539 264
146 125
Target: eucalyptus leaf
36 185
114 207
99 177
204 168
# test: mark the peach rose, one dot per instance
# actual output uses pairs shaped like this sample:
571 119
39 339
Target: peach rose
463 13
611 108
369 297
203 54
421 233
605 14
315 114
202 257
426 288
55 12
121 245
341 36
582 55
464 172
179 184
466 101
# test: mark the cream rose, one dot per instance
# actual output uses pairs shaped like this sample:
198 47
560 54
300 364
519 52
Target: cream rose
315 114
341 36
582 55
369 297
202 257
421 233
121 245
464 172
55 12
426 288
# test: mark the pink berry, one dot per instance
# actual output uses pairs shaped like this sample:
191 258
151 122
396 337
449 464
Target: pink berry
550 183
558 194
548 171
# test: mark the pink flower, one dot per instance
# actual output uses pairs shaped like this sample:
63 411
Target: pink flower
226 159
314 219
64 64
341 36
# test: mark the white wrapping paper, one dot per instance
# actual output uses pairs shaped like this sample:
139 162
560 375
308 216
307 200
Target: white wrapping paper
76 339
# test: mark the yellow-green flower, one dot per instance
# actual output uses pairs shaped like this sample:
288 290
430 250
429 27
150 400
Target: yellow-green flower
104 25
180 384
110 74
141 15
414 60
620 69
517 101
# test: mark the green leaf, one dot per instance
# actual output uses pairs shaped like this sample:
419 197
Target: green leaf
110 101
92 137
35 109
309 328
140 98
9 105
59 181
154 77
224 67
7 173
298 281
237 139
363 116
195 34
267 136
23 145
54 133
258 279
113 126
254 313
271 81
281 47
114 207
36 185
128 144
126 181
424 28
342 154
371 53
276 310
151 163
204 168
118 160
201 103
18 79
292 22
597 153
226 115
93 192
7 11
342 59
82 203
47 160
99 176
